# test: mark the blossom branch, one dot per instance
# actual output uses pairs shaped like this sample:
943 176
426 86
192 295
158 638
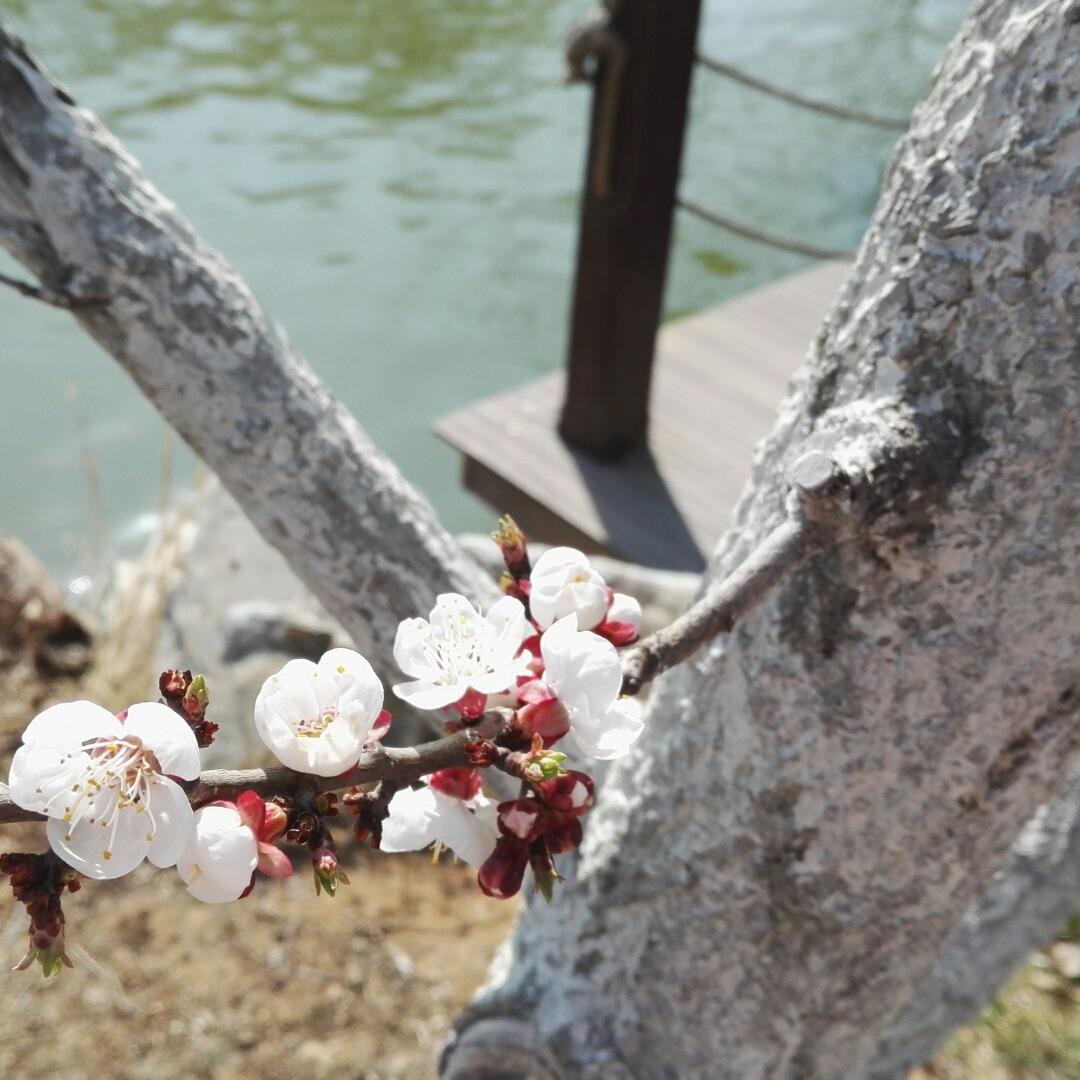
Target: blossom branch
816 522
398 765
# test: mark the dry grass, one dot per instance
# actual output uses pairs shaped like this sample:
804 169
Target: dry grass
1031 1031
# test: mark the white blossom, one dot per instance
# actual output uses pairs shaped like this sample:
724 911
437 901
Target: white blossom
104 784
422 816
458 650
626 610
583 671
564 583
317 717
220 856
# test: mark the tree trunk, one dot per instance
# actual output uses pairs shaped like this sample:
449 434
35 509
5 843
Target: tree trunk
820 796
78 211
1029 899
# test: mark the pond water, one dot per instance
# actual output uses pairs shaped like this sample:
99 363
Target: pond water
398 181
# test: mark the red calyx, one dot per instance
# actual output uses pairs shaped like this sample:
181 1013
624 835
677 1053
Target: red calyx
531 645
501 875
457 783
189 702
482 752
380 727
572 793
472 704
618 633
522 819
563 833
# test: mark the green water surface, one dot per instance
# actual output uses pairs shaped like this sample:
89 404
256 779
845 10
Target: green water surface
398 181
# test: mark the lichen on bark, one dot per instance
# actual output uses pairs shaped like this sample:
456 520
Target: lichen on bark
820 796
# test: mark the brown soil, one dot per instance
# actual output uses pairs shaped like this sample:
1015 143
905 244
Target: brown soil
280 985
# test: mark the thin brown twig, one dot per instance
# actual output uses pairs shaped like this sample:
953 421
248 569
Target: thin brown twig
399 765
811 527
817 521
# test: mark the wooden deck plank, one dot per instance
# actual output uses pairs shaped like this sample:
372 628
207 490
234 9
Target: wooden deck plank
719 376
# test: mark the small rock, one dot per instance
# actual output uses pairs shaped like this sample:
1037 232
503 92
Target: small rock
1066 957
270 628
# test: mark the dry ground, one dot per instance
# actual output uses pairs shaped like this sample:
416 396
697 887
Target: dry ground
362 986
279 986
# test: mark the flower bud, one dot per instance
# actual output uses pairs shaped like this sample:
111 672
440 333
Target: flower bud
188 697
522 819
622 623
197 698
548 719
38 881
513 545
500 876
328 872
572 793
47 948
275 822
458 783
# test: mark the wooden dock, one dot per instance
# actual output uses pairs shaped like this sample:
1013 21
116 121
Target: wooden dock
718 379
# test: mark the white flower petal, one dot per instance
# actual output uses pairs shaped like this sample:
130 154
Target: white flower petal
315 718
507 619
625 609
563 583
68 725
167 736
220 857
346 678
459 650
594 670
410 644
410 821
469 835
39 773
610 735
555 646
500 680
424 694
97 850
173 822
450 611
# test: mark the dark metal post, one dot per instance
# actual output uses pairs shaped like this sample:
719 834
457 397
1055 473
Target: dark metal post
640 103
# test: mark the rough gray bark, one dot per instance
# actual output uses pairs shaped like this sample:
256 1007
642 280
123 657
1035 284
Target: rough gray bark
1037 889
819 798
77 210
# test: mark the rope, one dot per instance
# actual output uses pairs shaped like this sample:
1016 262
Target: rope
838 111
784 243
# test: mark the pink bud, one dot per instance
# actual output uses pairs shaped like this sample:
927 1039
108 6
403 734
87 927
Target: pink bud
548 719
273 862
571 793
275 822
500 876
523 819
252 809
457 783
